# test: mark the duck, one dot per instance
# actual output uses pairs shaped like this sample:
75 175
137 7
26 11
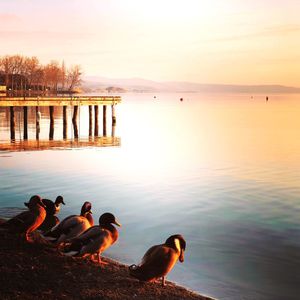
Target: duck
53 208
28 221
159 260
96 239
71 226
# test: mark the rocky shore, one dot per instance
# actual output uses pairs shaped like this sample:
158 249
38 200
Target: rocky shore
37 271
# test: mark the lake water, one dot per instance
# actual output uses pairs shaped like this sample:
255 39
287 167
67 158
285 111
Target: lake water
222 170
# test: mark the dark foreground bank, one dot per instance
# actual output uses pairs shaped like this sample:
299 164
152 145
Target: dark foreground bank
36 271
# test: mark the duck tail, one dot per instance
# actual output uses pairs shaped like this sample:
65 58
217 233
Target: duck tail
134 271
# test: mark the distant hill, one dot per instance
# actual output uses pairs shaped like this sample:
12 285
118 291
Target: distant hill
101 84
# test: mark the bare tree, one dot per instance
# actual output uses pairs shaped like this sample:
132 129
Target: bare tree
21 71
6 67
31 67
73 77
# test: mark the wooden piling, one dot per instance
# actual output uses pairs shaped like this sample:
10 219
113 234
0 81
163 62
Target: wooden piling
96 108
90 120
65 122
113 130
25 123
51 131
37 123
75 113
75 128
74 121
12 123
113 115
104 120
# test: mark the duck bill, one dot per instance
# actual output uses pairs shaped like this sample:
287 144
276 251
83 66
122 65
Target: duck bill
117 223
63 202
181 257
26 204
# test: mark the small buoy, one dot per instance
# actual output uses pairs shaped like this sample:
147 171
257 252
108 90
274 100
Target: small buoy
181 99
154 97
267 98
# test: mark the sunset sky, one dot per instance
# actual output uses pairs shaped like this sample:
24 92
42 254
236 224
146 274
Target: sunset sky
207 41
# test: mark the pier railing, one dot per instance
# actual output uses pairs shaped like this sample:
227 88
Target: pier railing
60 100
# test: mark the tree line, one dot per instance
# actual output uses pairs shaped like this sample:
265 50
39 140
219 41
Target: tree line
22 73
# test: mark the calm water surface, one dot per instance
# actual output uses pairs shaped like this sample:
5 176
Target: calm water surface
223 170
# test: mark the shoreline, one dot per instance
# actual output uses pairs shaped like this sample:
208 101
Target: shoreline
37 271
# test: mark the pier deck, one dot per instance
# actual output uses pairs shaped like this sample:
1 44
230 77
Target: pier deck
60 101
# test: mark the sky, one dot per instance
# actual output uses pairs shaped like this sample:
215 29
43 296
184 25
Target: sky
203 41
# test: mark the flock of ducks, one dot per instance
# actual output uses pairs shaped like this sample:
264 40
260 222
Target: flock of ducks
77 235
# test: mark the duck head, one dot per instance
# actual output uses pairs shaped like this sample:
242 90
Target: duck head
108 218
59 200
35 201
86 208
178 243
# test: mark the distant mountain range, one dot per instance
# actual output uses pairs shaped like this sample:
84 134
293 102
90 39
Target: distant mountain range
101 84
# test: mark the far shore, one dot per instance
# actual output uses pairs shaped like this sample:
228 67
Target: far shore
37 271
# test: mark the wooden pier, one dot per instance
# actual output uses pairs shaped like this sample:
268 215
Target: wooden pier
63 101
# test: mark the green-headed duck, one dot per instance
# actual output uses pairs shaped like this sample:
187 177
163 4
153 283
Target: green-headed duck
96 239
159 260
52 208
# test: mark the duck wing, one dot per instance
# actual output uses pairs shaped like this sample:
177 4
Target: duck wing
50 206
73 227
156 262
20 222
57 230
88 237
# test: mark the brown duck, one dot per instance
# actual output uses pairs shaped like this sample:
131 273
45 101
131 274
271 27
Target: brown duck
71 226
159 260
96 239
26 222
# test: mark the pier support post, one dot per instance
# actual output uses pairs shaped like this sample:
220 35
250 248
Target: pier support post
51 131
12 123
90 120
65 122
25 118
37 122
74 121
104 120
113 115
75 128
96 108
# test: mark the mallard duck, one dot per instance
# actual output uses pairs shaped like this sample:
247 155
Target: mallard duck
71 226
159 260
96 239
53 208
28 221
